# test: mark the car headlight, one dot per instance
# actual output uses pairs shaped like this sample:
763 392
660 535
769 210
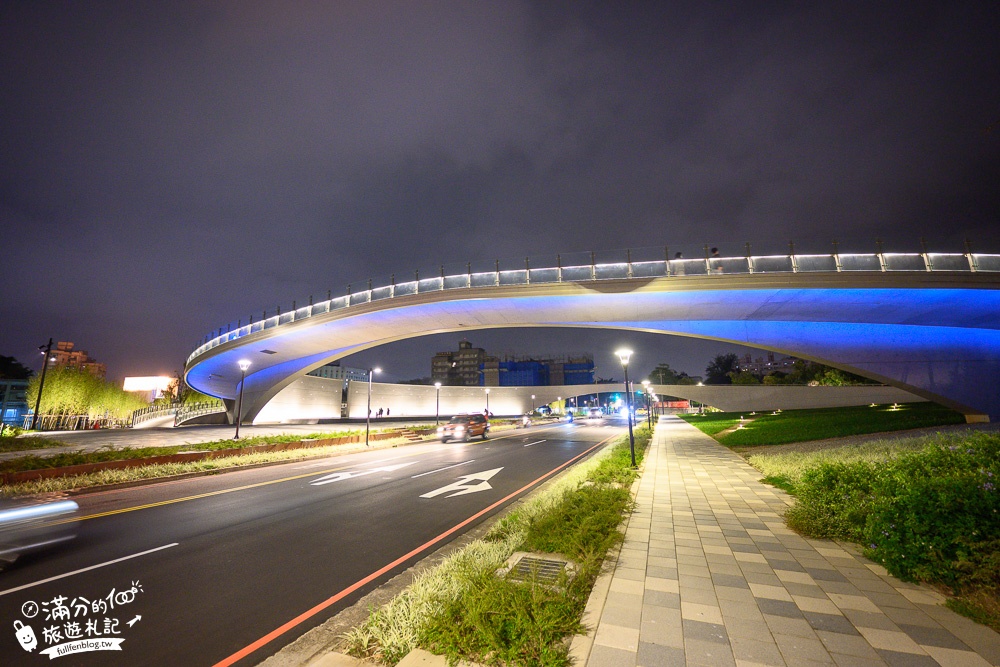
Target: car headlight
459 428
440 429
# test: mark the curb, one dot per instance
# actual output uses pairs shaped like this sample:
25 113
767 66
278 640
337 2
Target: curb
580 646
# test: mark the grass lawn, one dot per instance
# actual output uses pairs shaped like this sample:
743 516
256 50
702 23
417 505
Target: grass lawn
12 444
802 425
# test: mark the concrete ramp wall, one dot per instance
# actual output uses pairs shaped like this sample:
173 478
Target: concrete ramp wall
310 398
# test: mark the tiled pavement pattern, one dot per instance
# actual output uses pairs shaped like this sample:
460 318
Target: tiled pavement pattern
709 575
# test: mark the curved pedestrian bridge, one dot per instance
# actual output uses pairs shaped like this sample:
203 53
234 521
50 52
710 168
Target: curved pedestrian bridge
928 323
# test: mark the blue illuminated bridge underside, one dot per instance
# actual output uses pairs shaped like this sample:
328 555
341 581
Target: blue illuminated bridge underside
935 334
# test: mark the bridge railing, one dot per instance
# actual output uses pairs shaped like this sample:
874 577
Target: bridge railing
152 412
191 410
584 267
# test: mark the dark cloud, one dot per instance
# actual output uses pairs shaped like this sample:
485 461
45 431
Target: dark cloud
168 167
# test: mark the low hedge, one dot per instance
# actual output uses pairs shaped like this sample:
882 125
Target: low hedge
931 515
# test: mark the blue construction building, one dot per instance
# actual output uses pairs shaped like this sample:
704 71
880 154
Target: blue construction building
536 372
13 401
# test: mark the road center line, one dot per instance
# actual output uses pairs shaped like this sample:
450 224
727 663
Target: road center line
86 569
440 469
534 443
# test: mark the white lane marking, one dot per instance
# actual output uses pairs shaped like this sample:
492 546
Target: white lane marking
440 469
341 476
463 485
86 569
327 462
534 443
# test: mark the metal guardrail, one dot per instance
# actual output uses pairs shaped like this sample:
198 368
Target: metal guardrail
186 412
63 422
879 262
181 412
152 412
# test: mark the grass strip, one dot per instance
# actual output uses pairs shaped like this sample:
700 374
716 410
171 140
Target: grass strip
161 470
462 610
818 424
9 443
111 453
928 509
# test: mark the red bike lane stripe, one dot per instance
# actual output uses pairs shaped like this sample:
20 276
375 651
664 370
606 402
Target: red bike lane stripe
306 615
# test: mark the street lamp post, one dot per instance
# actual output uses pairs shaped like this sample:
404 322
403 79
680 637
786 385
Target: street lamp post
624 355
649 417
368 417
487 403
244 365
41 384
437 406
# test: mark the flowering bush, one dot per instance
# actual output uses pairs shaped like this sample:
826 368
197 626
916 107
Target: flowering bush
931 515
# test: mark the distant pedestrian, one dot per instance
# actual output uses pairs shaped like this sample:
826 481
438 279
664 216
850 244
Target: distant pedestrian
716 261
387 412
678 267
378 415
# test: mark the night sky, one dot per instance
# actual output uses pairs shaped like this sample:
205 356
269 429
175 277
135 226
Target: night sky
168 167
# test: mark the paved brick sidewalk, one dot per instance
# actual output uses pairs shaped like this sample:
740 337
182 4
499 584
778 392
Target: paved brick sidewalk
710 575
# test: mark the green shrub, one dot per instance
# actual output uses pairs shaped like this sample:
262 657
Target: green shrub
938 514
834 500
582 525
931 515
499 622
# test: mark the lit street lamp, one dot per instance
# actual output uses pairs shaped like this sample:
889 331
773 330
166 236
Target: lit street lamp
649 417
437 407
368 417
244 365
623 356
41 384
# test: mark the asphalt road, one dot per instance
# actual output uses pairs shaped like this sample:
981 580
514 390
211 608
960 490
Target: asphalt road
227 569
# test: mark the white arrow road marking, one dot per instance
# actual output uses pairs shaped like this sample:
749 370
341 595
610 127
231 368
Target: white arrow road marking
464 485
441 469
327 463
341 476
534 443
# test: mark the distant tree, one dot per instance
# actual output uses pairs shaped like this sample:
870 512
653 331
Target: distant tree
774 378
664 374
420 381
12 369
718 370
834 377
743 377
194 396
72 391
